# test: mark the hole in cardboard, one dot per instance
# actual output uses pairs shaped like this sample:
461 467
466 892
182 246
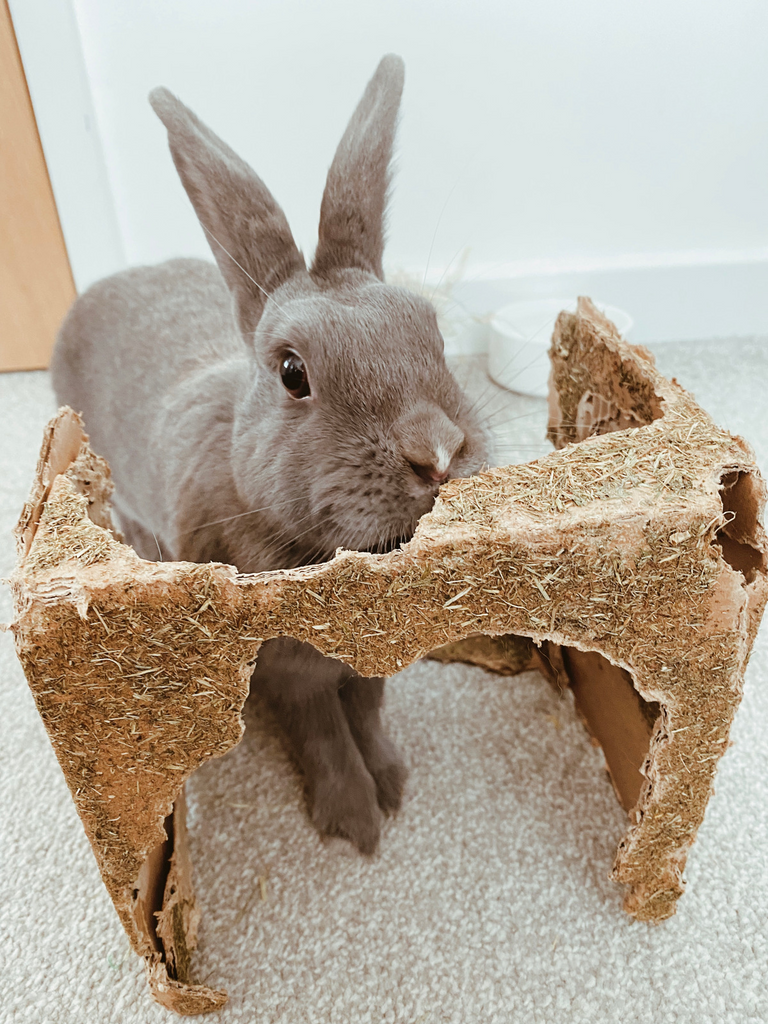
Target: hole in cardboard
615 714
598 415
738 537
506 655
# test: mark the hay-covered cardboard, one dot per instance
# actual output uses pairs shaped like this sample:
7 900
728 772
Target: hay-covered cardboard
634 560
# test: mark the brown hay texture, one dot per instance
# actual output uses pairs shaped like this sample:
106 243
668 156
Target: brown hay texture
630 564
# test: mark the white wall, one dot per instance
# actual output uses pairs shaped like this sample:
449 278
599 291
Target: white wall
550 136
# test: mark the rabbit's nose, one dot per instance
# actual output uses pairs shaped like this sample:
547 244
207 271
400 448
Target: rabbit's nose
431 474
429 440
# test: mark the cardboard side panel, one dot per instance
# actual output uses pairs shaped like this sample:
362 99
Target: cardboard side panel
616 715
168 970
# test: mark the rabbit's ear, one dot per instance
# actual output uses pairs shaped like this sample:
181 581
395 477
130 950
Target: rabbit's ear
246 229
351 230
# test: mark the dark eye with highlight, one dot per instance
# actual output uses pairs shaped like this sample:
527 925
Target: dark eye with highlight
294 376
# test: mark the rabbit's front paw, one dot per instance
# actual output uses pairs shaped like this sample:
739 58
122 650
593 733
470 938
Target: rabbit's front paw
362 700
345 804
383 761
390 777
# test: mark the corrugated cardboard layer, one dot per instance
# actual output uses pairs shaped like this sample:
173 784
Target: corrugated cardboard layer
640 543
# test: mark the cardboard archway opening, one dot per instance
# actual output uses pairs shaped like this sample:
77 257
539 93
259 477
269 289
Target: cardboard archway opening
619 720
614 556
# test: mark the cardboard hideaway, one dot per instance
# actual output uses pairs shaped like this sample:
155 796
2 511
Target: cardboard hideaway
630 564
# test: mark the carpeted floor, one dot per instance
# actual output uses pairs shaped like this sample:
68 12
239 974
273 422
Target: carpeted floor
489 900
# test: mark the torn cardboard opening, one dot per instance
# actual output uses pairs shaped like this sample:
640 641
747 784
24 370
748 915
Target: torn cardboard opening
629 564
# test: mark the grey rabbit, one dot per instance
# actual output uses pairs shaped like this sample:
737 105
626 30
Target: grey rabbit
261 414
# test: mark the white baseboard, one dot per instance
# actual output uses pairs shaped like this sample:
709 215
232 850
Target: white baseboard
667 302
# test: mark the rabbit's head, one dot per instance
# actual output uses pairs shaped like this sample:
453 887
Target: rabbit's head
352 419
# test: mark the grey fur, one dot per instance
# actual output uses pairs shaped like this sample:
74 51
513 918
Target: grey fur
214 460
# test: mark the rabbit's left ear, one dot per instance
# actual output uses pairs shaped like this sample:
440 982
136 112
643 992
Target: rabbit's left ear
351 230
246 229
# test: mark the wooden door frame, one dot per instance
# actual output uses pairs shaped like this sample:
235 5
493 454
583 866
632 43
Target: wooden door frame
51 48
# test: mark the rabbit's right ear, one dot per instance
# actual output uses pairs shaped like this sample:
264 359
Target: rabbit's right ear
246 229
351 230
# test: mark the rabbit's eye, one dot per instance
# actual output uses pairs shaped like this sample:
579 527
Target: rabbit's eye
294 376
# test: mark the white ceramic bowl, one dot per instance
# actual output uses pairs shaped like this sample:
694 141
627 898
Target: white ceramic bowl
519 337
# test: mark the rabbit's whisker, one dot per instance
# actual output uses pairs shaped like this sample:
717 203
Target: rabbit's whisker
527 366
511 360
352 542
240 515
497 426
461 249
479 410
522 447
228 253
291 537
517 416
473 156
380 544
434 235
476 405
286 538
484 272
